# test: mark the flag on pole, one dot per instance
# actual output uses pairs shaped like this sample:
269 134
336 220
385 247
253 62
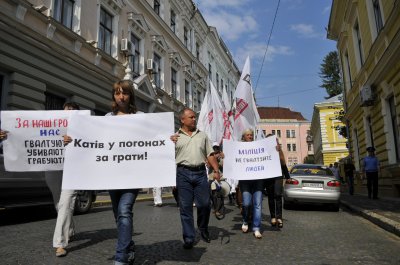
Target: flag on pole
246 114
211 115
227 114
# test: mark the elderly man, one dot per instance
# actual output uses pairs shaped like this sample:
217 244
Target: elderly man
193 149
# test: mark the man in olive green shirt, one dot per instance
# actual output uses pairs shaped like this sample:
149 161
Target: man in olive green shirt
193 149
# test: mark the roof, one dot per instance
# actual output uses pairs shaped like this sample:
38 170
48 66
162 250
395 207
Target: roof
279 113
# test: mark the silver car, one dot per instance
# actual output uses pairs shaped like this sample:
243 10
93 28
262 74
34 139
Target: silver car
311 183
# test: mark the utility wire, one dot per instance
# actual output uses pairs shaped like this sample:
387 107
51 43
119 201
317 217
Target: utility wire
266 49
289 93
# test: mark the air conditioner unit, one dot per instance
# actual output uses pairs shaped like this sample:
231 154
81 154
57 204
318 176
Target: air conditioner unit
367 96
126 46
149 64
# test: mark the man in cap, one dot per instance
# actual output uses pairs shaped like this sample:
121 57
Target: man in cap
370 168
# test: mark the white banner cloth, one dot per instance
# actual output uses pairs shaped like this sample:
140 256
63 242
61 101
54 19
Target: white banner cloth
120 152
34 140
251 160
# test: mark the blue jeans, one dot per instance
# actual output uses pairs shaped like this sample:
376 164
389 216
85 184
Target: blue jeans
252 196
193 185
122 203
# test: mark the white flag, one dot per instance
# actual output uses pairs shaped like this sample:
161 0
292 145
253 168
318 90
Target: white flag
203 123
246 114
227 114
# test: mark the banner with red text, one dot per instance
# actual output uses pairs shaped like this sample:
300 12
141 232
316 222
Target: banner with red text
251 160
34 140
120 152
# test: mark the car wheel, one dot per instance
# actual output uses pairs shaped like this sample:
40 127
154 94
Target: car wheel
84 201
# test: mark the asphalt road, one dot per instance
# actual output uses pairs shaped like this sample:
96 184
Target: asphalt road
311 235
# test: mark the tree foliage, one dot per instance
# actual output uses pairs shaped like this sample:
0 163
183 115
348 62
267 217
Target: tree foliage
330 75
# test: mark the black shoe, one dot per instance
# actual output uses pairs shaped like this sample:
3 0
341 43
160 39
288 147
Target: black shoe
205 236
188 245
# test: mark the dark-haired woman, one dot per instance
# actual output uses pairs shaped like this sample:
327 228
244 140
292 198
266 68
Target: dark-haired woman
123 103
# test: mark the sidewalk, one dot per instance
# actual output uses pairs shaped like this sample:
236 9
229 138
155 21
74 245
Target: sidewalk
384 212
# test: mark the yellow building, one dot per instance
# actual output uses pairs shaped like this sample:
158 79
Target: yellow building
368 42
329 145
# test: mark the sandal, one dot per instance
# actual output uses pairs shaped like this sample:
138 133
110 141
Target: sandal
280 223
257 234
61 252
273 221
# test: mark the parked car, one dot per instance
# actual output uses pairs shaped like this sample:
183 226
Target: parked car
23 189
312 184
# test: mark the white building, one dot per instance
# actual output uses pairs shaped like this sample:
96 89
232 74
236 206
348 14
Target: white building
52 51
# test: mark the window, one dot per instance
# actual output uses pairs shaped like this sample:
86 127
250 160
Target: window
378 15
157 70
187 93
185 37
294 147
309 145
222 85
156 7
135 56
273 132
370 140
395 127
293 134
347 69
287 133
173 21
53 102
199 101
360 53
197 51
278 133
194 100
289 147
173 83
105 31
217 79
64 11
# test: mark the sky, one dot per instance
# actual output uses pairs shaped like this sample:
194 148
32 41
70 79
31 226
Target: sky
289 76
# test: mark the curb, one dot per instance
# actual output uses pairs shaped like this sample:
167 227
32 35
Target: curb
140 198
380 220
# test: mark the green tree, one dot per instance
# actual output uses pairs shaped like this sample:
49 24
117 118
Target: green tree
330 75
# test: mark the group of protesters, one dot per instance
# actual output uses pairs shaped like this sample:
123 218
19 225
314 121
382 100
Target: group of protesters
193 151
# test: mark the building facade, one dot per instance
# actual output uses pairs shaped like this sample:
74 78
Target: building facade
291 129
368 42
53 51
329 145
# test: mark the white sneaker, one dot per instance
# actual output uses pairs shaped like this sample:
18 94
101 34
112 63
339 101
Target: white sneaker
257 234
245 228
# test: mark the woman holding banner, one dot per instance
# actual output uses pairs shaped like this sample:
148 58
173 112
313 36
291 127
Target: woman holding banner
64 201
274 188
252 196
123 103
123 200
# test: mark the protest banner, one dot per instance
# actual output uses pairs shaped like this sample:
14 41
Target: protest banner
251 160
34 141
120 152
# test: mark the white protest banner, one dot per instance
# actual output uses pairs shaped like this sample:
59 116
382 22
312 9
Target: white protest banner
120 152
251 160
34 140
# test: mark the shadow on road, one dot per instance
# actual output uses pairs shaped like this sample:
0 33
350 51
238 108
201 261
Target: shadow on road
26 215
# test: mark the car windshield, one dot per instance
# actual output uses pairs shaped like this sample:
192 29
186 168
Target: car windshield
311 170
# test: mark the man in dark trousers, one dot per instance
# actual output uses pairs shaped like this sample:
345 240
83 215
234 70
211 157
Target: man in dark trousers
193 149
371 170
349 172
